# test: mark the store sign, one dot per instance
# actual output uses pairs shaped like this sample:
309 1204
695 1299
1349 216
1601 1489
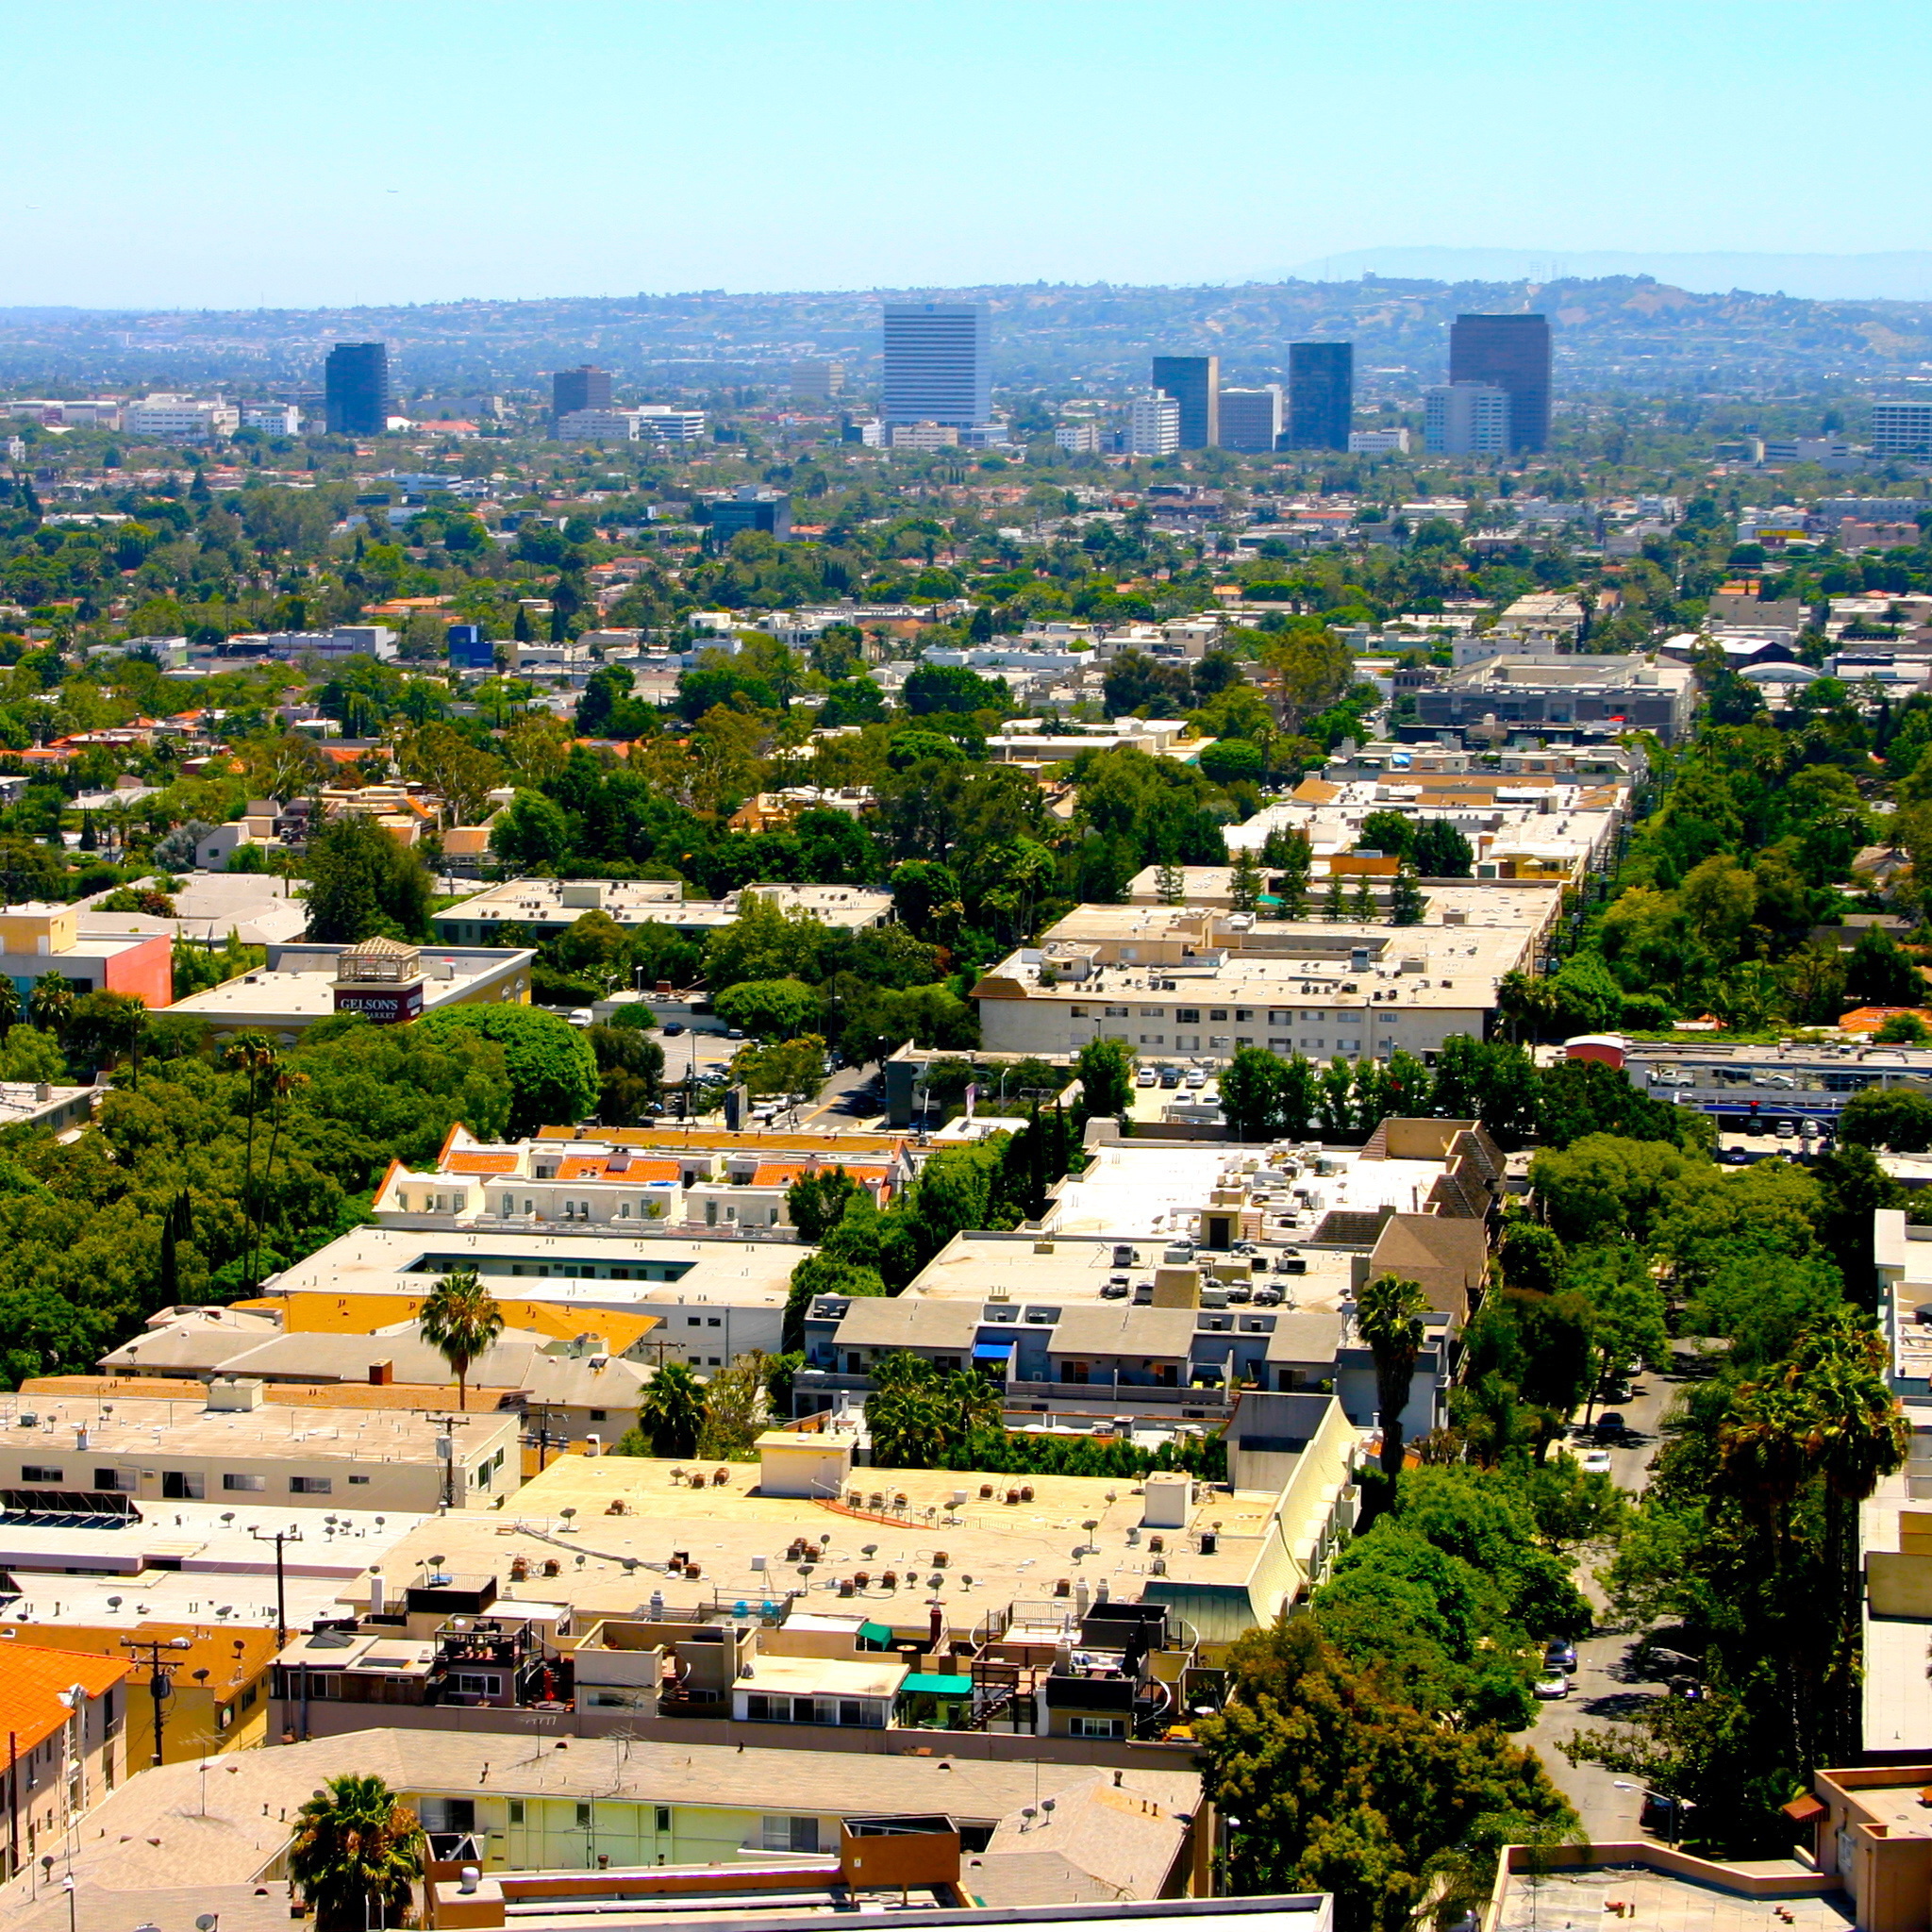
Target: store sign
386 1005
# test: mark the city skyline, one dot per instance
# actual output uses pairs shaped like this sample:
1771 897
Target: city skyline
811 205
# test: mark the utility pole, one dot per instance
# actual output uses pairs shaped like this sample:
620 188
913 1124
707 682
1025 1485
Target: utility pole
161 1676
278 1537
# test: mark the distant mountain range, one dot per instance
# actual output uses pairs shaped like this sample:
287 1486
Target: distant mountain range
1619 332
1903 275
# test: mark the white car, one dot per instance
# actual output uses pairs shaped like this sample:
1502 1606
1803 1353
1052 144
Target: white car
582 1016
1555 1684
1146 1078
1597 1462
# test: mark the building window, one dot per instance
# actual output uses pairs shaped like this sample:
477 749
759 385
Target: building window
1117 1013
1187 1016
1098 1728
789 1834
598 1415
1217 1014
115 1481
516 1811
714 1321
663 1817
1276 1017
182 1484
1152 1013
244 1482
475 1684
1079 1012
1217 1042
1153 1040
1243 1015
693 1320
583 1818
40 1473
355 1479
312 1485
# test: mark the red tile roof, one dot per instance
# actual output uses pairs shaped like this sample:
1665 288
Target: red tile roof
31 1683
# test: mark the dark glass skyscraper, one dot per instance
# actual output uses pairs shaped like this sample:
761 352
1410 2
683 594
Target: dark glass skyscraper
585 388
355 389
1194 383
1321 395
1511 352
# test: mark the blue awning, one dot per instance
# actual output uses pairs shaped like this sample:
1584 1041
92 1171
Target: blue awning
991 1351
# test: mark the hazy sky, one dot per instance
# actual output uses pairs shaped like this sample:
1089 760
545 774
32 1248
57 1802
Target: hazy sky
210 153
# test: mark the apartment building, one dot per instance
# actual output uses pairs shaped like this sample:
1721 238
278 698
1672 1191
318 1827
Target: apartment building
1185 981
1579 695
1466 419
65 1716
544 907
227 1444
1154 425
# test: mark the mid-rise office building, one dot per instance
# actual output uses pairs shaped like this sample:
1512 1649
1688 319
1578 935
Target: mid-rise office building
1377 442
584 388
818 381
1194 383
666 422
180 418
751 510
278 419
939 363
1078 439
1466 419
1251 418
355 389
1321 395
1154 425
469 649
597 425
1902 429
1510 353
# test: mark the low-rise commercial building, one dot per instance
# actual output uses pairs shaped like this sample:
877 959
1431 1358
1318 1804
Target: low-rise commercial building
1576 696
36 940
381 979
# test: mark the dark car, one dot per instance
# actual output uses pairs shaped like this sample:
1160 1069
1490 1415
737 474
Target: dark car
671 1026
1610 1426
1560 1654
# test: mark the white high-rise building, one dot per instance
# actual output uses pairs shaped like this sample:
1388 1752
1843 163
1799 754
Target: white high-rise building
1080 438
1154 424
1377 442
1902 429
939 363
1466 419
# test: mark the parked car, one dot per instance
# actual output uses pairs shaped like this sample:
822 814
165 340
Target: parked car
1196 1078
1146 1078
671 1027
582 1016
1560 1654
1597 1462
735 1033
1611 1426
1555 1684
1170 1077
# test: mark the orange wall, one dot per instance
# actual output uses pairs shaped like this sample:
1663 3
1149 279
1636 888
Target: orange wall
147 970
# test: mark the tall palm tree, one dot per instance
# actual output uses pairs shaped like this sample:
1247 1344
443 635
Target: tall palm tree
1855 1434
9 1006
1389 1318
460 1320
672 1415
50 1005
283 1081
357 1849
252 1054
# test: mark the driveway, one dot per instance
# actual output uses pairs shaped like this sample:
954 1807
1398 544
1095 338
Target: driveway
1609 1684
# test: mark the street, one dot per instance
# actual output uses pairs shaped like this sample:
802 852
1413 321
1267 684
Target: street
1607 1686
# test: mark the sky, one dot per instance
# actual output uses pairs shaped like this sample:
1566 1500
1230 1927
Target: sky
245 153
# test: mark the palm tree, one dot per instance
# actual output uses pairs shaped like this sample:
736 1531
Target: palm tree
282 1083
51 1004
460 1320
1855 1436
356 1848
9 1006
672 1415
978 1402
1389 1318
253 1054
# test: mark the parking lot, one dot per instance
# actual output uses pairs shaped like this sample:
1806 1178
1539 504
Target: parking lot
1151 1102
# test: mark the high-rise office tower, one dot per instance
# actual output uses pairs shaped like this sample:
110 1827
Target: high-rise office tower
1901 429
585 388
1194 383
1466 419
818 380
1513 353
355 389
1321 395
939 363
1251 418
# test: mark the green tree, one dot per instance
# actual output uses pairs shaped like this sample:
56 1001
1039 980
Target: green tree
1253 1090
552 1070
1245 881
461 1320
50 1005
356 1853
772 1008
1407 905
362 883
1389 1318
672 1415
816 1201
1105 1071
532 833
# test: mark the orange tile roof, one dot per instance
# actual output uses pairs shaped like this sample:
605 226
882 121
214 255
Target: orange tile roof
596 1167
31 1683
481 1163
311 1311
777 1174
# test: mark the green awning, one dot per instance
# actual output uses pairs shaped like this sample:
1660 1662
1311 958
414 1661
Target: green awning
938 1686
875 1633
